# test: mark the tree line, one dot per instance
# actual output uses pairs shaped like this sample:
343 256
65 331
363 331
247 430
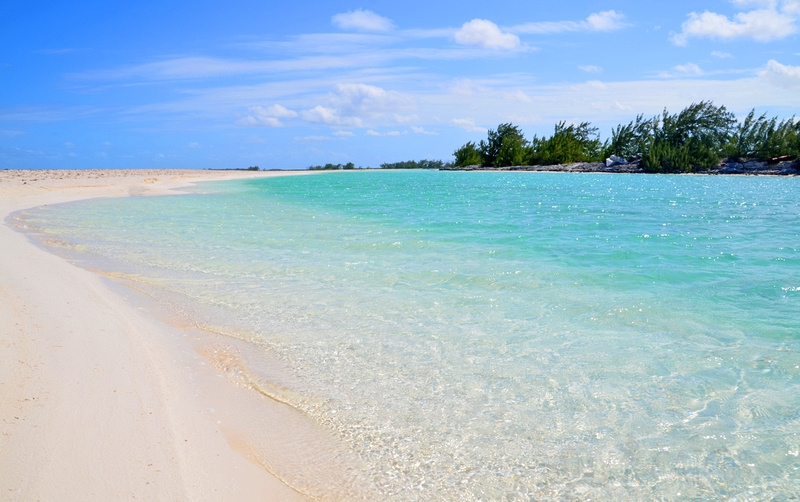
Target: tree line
693 140
414 164
332 167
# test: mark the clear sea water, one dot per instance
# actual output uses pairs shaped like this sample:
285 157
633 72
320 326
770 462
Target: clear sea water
502 336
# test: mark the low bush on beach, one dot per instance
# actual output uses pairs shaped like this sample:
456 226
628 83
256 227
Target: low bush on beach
695 139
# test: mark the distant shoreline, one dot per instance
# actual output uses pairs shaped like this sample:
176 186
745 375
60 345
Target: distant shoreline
751 168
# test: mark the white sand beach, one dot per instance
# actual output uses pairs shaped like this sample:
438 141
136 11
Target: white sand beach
98 399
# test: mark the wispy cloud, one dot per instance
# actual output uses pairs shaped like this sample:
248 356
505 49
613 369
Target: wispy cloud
205 67
605 21
682 71
420 130
362 20
371 132
467 125
312 139
56 51
591 68
329 116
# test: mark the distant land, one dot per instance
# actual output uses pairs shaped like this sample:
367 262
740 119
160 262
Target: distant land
703 138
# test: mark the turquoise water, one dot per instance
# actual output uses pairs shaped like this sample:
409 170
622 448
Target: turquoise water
502 336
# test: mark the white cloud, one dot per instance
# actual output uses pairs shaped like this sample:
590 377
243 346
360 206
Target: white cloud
682 70
370 132
764 4
605 21
762 25
343 133
368 100
779 75
591 68
312 139
485 34
351 104
464 87
467 124
269 117
193 145
322 115
404 119
362 20
518 96
721 55
420 130
281 111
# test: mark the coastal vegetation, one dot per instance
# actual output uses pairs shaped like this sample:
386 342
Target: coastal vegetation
695 139
332 167
407 164
414 164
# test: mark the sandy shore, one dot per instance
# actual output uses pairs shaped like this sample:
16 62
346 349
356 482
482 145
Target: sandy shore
101 401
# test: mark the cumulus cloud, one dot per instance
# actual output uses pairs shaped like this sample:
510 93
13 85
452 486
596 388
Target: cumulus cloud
721 55
605 21
762 25
485 34
361 20
780 75
591 68
351 105
368 100
269 117
609 20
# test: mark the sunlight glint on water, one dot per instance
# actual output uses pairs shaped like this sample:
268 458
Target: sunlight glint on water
504 335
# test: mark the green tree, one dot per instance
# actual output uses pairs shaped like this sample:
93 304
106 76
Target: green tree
569 143
763 138
467 155
630 140
491 148
702 130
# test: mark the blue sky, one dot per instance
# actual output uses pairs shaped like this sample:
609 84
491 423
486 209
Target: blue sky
176 84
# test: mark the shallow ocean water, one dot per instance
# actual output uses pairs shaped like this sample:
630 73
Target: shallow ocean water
501 336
